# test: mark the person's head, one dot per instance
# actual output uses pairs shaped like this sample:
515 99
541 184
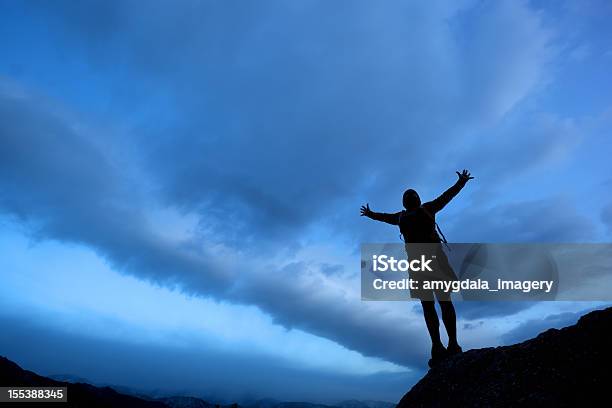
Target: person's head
411 199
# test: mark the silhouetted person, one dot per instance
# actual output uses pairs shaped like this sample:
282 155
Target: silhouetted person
417 224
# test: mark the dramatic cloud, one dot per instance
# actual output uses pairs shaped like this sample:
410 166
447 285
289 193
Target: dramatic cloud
289 92
96 205
606 217
554 219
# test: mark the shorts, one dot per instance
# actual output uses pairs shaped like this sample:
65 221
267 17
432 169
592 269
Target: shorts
442 271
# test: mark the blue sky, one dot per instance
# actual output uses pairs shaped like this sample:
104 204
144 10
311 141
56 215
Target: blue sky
180 181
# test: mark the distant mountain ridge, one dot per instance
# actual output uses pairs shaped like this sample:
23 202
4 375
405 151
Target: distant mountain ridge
365 404
81 394
269 403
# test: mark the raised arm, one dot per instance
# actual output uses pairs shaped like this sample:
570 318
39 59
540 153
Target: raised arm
384 217
440 202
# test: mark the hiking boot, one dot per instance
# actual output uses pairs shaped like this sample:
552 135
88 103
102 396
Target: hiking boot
454 349
438 354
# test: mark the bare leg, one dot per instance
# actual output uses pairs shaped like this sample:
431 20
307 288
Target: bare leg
432 322
449 318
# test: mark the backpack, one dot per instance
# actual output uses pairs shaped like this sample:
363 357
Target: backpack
433 219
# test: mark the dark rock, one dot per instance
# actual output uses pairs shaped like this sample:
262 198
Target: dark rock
566 367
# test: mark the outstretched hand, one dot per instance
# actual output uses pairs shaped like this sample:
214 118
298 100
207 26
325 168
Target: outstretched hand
464 176
365 210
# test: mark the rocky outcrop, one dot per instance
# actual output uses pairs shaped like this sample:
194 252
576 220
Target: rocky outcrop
559 367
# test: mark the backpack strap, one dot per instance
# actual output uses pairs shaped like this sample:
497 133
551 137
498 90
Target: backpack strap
399 222
437 228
